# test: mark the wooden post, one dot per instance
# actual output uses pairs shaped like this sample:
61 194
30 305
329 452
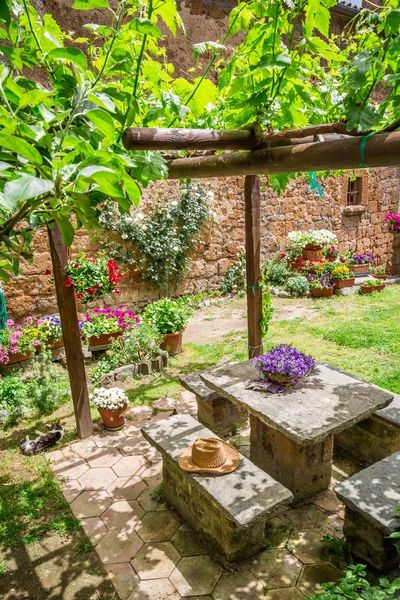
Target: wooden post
71 334
252 197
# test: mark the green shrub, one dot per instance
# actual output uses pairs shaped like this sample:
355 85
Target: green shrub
141 343
297 285
235 276
355 585
169 316
276 272
13 393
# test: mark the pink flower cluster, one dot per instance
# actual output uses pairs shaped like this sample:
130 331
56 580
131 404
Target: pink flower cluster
392 221
126 318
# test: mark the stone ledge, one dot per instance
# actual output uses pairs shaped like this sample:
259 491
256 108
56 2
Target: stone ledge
145 367
353 211
198 387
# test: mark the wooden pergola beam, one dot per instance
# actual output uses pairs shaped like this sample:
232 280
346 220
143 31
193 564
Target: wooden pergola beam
381 150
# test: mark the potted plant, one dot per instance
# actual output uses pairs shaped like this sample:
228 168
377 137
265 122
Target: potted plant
359 263
371 286
170 317
285 364
378 273
341 276
311 242
111 404
93 277
393 222
321 286
101 325
50 332
17 341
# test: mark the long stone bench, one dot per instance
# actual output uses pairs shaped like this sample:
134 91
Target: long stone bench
229 512
217 413
371 498
374 438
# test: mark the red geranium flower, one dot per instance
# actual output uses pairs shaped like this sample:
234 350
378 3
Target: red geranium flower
68 282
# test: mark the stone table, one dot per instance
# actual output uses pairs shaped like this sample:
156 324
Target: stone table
292 432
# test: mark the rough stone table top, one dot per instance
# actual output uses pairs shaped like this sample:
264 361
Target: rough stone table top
245 494
307 413
194 383
375 493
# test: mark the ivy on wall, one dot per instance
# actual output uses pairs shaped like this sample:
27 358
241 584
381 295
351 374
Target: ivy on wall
159 244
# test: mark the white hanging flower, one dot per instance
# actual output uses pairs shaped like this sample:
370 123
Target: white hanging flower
211 195
128 219
124 236
174 203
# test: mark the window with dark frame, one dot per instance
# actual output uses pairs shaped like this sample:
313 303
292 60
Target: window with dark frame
354 191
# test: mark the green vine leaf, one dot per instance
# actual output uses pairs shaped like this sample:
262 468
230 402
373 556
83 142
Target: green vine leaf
146 27
89 4
70 54
25 187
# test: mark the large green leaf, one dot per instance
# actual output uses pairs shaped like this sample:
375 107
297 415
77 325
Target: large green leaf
26 187
67 231
33 97
72 54
361 118
5 15
103 122
89 4
132 189
146 27
393 20
21 147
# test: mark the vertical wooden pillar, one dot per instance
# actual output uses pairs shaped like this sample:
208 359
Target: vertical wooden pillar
71 334
252 197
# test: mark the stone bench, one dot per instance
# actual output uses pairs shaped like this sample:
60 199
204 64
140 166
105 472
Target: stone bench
213 411
374 438
229 512
371 498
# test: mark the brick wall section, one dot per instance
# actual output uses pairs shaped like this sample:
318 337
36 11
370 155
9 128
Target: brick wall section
297 208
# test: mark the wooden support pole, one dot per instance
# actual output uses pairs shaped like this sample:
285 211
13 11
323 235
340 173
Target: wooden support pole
71 334
252 198
381 150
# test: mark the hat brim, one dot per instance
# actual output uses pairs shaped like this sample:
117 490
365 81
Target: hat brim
231 464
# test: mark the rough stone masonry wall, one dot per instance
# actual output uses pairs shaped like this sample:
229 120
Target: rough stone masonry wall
33 293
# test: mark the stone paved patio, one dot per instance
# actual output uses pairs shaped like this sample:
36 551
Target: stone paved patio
150 554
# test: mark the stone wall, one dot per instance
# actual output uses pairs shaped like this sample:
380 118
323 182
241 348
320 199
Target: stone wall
297 208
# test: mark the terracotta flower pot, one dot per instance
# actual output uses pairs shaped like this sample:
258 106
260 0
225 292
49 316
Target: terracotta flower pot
51 345
19 357
278 378
104 338
312 252
343 283
368 289
359 270
321 292
112 419
172 342
383 277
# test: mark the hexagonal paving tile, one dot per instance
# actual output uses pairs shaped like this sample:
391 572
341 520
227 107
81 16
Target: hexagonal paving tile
135 444
90 504
109 439
94 529
123 577
276 569
153 471
143 411
71 489
103 457
161 415
195 576
164 404
153 455
119 547
286 594
305 517
55 456
156 561
313 575
158 526
187 542
277 533
307 546
72 469
327 500
121 516
239 586
146 500
81 448
126 488
155 589
127 466
97 479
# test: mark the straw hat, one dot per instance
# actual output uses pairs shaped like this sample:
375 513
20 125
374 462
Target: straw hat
209 455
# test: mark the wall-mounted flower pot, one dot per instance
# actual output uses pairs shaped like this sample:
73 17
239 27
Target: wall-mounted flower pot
312 252
382 277
112 419
18 357
359 270
104 339
343 283
321 292
368 289
172 342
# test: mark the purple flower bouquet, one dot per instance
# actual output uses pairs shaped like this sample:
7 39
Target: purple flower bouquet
285 364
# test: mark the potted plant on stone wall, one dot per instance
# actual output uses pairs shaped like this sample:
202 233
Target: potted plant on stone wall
111 404
371 286
101 325
392 221
170 317
341 276
321 285
378 273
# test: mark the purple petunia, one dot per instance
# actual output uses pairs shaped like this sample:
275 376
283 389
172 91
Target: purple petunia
362 259
285 360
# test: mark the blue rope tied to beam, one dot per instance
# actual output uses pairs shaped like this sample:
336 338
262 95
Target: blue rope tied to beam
254 288
363 144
